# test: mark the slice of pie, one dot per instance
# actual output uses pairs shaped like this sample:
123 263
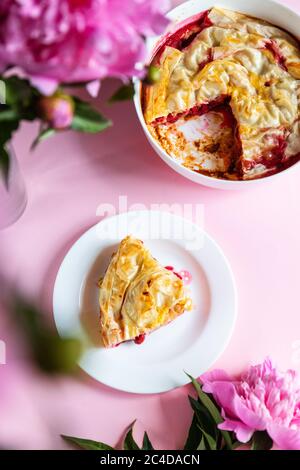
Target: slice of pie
138 295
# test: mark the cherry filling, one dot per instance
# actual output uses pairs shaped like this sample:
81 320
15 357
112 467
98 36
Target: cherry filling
220 105
140 339
184 275
271 46
178 275
274 158
196 110
185 35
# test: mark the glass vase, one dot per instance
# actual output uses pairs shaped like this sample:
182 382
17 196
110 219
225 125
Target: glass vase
13 194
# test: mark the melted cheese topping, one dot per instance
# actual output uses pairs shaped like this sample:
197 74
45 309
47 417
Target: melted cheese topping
248 60
137 295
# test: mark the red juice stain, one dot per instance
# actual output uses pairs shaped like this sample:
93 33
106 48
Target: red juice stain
178 275
140 339
185 276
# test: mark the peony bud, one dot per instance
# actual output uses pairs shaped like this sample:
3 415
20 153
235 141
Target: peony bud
57 110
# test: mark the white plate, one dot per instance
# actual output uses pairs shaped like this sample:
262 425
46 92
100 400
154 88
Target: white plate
191 343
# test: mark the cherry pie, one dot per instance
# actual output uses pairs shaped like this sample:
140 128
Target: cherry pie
228 98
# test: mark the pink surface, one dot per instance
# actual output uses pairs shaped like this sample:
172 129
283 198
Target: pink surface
67 178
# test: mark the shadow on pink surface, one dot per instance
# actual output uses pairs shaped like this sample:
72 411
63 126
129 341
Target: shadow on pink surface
67 178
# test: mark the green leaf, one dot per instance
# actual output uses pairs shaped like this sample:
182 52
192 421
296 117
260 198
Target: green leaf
8 114
125 92
202 445
213 410
4 164
50 352
153 75
43 135
86 444
20 98
6 131
146 443
210 441
194 436
202 426
18 90
204 418
261 441
55 355
87 119
129 442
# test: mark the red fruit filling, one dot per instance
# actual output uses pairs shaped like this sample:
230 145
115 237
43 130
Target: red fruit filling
271 158
271 46
196 110
178 275
185 34
184 275
140 339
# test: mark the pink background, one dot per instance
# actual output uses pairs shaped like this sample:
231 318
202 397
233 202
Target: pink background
67 178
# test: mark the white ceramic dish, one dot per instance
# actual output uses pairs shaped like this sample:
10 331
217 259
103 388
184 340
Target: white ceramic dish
191 343
268 10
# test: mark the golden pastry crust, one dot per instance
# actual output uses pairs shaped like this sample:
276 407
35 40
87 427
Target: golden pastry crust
251 63
137 295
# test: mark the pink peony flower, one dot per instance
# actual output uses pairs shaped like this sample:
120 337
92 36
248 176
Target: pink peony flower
263 399
55 41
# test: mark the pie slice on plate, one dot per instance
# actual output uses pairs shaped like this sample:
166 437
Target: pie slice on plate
138 295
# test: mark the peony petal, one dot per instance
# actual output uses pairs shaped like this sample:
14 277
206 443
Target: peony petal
60 41
284 438
217 375
93 88
224 393
242 432
227 397
249 417
47 86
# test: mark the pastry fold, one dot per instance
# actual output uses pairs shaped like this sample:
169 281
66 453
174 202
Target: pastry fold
137 295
